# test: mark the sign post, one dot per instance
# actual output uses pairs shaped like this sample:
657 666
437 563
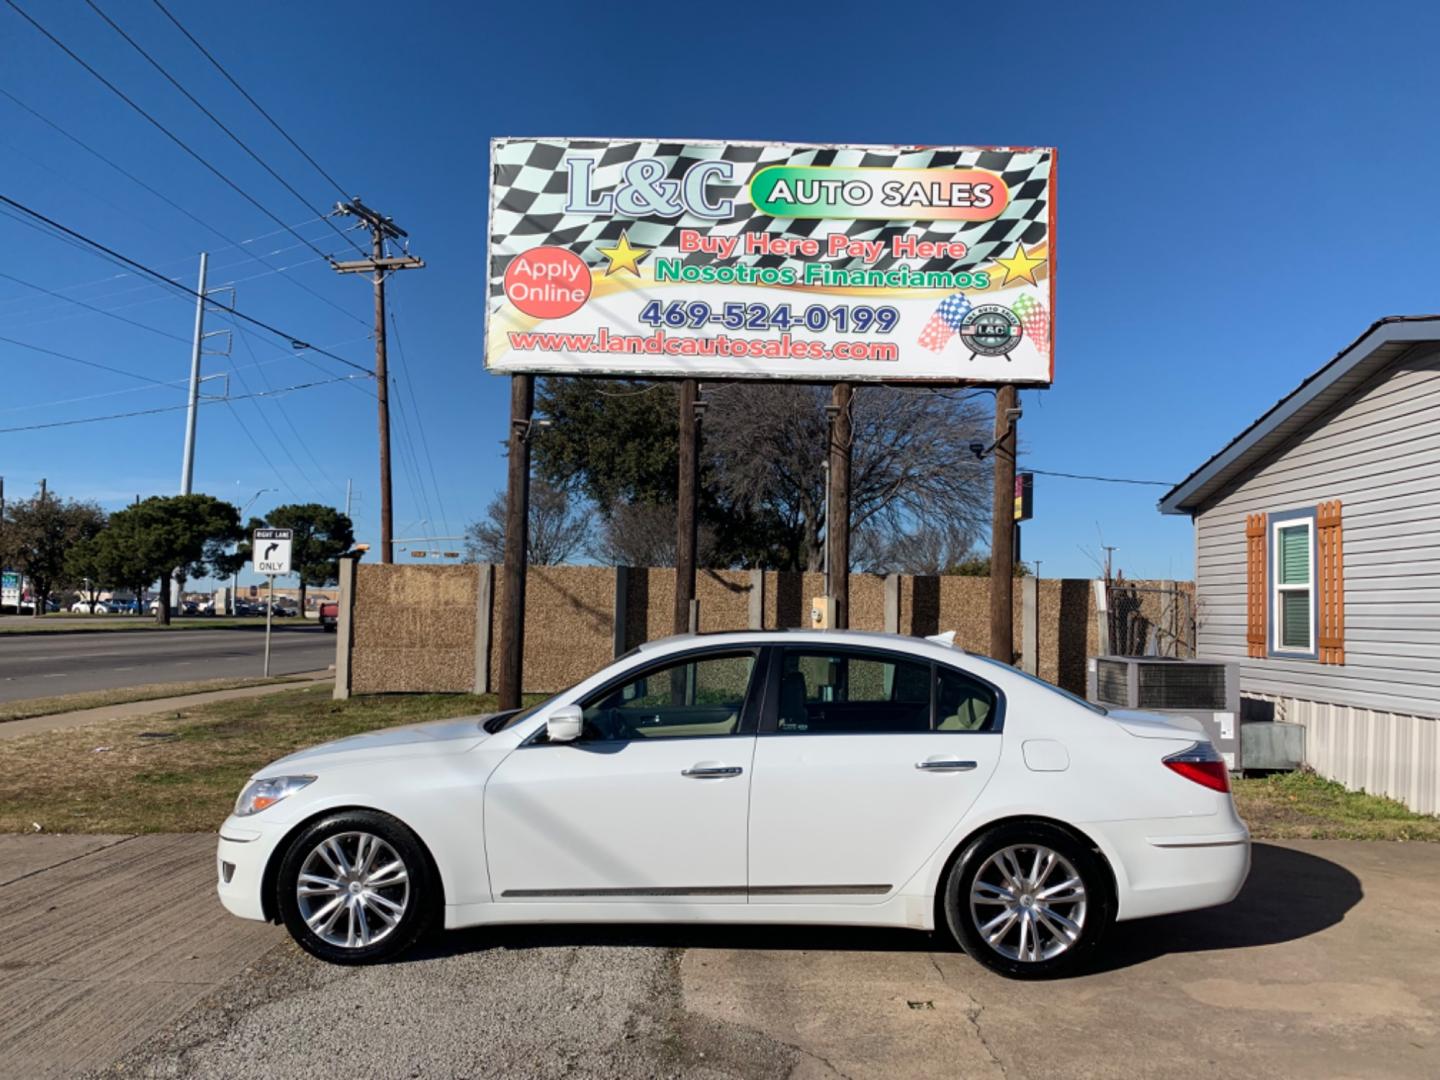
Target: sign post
270 549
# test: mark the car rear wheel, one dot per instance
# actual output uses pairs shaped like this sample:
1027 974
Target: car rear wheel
356 888
1029 901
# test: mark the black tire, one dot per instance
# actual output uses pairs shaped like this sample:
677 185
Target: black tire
1093 913
419 894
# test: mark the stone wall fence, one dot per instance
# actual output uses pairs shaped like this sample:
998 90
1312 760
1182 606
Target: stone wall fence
413 629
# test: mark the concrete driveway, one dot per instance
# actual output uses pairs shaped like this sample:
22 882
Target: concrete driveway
1325 966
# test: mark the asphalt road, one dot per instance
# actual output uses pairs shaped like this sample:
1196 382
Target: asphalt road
44 665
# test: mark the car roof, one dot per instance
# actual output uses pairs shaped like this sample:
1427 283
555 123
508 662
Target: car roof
871 638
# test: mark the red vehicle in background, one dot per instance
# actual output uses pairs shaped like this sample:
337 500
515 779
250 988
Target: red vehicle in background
329 616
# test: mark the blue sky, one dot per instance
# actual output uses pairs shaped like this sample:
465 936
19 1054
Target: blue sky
1242 188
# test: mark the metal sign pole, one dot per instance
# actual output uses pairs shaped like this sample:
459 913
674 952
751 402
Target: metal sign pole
269 617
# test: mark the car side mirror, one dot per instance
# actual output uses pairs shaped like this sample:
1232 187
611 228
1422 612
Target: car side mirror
564 724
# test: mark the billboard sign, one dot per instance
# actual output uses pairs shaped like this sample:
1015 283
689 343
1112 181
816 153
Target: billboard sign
734 260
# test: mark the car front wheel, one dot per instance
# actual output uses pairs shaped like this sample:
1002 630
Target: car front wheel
355 888
1028 900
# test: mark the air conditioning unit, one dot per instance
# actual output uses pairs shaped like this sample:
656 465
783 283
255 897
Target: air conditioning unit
1205 691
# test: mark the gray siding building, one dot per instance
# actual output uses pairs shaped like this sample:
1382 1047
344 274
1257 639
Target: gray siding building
1317 561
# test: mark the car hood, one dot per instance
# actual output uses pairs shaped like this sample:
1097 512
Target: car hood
431 739
1152 726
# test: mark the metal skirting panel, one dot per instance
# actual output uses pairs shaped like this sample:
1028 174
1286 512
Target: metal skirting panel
1383 753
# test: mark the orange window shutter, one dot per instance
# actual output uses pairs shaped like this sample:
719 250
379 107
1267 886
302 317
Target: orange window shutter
1255 584
1330 579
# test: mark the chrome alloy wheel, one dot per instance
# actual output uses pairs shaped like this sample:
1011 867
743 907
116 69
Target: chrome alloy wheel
1028 903
352 890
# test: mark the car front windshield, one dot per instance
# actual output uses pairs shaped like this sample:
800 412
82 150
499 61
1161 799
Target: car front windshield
1076 698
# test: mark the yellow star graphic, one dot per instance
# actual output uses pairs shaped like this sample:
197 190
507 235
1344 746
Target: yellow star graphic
1020 265
624 257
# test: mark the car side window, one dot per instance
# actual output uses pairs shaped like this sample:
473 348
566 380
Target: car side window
850 692
696 696
962 703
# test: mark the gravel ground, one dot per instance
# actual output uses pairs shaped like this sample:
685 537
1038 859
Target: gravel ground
514 1003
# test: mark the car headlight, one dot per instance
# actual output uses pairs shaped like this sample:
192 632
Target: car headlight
262 794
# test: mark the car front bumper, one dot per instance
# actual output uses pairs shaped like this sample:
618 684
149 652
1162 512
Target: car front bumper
243 853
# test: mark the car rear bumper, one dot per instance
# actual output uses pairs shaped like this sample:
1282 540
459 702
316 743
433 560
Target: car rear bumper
1171 865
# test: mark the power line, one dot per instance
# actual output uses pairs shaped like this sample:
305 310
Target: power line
86 363
415 408
96 310
258 108
217 122
280 407
177 207
1101 479
114 255
174 408
156 123
259 449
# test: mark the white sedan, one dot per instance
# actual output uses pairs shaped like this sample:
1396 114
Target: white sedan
796 777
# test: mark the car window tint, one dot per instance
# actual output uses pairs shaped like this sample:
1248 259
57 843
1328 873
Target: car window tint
962 703
697 696
824 692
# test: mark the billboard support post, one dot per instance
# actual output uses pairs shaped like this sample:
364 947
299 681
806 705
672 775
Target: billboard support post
1002 529
837 539
517 535
686 499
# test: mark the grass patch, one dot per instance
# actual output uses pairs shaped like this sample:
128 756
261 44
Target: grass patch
180 771
1304 805
58 623
124 695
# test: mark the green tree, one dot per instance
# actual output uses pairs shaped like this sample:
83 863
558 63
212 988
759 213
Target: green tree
321 534
38 536
167 534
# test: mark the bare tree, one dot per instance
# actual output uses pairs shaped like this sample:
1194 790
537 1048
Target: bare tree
929 549
913 473
558 528
643 534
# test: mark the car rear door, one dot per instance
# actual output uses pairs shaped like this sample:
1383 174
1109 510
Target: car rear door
865 761
649 804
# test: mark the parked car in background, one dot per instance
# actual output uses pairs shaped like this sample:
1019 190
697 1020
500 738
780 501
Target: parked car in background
804 777
329 616
85 607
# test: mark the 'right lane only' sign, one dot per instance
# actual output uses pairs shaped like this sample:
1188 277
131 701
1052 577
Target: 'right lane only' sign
271 551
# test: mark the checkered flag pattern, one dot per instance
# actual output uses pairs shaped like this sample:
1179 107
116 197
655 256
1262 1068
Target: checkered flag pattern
1033 318
529 185
945 323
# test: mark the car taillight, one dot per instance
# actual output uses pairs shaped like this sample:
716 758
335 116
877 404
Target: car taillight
1202 763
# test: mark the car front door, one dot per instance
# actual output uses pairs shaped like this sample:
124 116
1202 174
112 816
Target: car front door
649 803
865 761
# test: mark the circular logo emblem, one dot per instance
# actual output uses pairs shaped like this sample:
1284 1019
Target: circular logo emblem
547 282
991 330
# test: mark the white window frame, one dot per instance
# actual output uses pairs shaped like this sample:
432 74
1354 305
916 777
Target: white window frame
1278 646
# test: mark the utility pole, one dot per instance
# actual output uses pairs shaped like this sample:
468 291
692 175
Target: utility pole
348 483
1002 528
42 489
837 514
380 266
517 542
686 505
187 462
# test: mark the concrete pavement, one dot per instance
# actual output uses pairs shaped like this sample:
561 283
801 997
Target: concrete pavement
103 941
1325 966
46 665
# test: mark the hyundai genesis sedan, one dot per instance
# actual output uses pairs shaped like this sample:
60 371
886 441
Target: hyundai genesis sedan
822 777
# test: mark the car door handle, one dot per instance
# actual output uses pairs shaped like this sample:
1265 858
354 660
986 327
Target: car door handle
704 770
945 765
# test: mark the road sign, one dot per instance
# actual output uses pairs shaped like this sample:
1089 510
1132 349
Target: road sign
271 551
